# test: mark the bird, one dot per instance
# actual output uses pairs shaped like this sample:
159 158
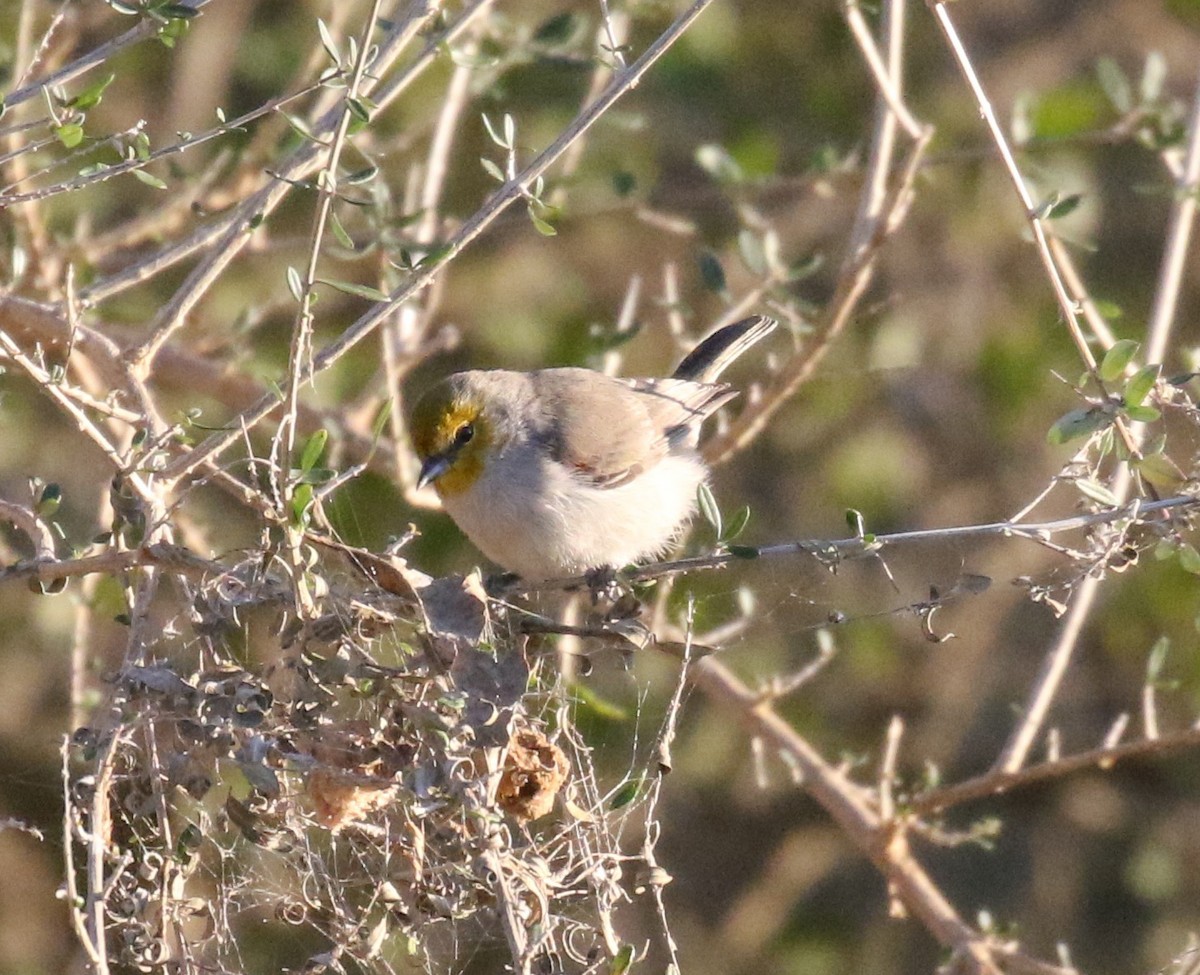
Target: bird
566 471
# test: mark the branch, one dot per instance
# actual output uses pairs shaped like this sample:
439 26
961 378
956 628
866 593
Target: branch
1000 781
146 29
848 548
847 804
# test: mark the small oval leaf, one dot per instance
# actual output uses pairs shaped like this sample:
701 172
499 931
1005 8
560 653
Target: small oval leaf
1078 423
1138 388
709 508
1096 492
1117 358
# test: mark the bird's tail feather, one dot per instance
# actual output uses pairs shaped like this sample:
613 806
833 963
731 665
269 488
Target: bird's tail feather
706 362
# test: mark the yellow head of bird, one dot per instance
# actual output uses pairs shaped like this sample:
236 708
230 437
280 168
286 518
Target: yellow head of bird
451 433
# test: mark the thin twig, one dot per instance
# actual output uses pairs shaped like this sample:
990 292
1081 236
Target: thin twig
8 198
887 769
70 834
844 548
999 781
143 31
301 346
1179 233
884 75
179 560
99 827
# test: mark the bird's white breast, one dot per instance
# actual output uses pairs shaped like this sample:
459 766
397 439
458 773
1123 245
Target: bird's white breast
533 517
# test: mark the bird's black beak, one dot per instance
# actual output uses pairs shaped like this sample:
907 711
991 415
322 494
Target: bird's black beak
433 468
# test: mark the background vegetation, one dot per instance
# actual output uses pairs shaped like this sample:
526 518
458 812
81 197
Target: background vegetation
177 182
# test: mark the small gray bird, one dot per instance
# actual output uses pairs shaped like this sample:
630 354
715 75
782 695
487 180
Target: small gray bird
560 471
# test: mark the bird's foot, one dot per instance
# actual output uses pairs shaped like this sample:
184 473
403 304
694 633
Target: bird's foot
500 584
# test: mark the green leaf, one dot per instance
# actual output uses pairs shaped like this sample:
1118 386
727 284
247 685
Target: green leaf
1112 367
1115 85
380 423
1058 207
719 164
737 524
744 551
1138 388
626 792
494 135
1143 414
709 508
623 182
313 449
339 232
302 501
149 179
91 95
1096 492
318 475
1021 123
1160 471
856 523
51 587
70 134
1153 75
295 285
177 11
543 227
592 704
806 267
328 42
622 961
358 290
175 27
750 250
299 125
609 339
492 169
1078 423
1189 559
1157 658
358 110
360 176
558 30
434 255
711 272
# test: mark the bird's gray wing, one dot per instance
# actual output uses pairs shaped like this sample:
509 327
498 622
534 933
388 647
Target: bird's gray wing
608 430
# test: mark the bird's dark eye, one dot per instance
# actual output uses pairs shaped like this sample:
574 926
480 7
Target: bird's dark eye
463 434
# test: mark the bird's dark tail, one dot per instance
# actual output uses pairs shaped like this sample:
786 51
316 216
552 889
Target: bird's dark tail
706 362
